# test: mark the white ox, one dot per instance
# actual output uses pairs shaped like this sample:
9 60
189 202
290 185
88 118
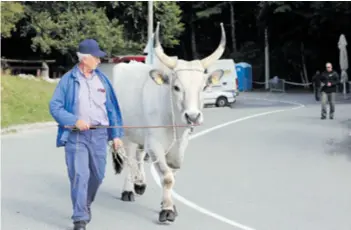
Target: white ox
145 95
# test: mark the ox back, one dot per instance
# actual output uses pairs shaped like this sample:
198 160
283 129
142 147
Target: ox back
142 102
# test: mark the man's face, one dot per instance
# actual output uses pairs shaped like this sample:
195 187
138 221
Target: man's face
329 67
91 62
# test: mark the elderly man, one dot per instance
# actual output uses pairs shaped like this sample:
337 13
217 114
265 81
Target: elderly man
83 98
329 80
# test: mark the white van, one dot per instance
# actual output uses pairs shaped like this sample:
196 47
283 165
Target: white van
225 92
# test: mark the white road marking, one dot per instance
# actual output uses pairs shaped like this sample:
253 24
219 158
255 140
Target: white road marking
204 132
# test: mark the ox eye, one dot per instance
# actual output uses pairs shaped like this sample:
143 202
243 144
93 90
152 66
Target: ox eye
176 88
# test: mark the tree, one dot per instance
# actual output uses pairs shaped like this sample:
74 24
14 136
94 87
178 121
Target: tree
169 14
62 25
200 13
291 41
303 34
11 13
134 18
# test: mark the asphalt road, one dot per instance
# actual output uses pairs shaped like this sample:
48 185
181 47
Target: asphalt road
271 168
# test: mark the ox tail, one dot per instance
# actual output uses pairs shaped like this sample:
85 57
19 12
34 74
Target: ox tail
117 161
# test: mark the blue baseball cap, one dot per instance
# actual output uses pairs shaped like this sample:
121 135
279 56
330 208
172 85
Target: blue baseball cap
90 46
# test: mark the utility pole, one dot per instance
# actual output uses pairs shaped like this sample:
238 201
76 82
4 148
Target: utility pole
266 52
150 29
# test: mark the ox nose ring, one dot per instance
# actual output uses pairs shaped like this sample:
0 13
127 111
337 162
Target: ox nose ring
192 117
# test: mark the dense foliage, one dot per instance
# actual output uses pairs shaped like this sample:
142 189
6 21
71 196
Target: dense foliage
302 35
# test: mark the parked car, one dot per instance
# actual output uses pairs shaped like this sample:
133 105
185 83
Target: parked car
219 98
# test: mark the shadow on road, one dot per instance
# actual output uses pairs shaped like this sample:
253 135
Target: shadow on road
55 210
140 208
108 200
46 214
341 146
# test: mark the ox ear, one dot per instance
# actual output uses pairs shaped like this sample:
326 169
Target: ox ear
215 77
158 77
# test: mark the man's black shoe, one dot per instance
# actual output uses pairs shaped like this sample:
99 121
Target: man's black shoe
322 117
79 225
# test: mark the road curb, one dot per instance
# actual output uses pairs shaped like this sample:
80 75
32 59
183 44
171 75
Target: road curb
27 127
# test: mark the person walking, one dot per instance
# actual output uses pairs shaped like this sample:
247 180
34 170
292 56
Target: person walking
83 98
317 85
329 82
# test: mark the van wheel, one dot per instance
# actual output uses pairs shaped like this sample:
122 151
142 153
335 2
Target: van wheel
221 102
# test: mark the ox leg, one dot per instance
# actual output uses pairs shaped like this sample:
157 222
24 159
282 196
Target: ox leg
174 171
167 180
128 188
157 155
174 162
140 183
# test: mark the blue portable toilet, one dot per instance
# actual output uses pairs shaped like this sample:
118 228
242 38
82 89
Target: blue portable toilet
244 73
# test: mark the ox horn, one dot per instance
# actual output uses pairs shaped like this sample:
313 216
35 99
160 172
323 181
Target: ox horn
168 61
206 62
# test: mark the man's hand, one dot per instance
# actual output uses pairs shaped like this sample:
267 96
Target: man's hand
117 143
329 84
82 125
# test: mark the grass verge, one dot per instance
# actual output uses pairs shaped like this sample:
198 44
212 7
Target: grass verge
24 101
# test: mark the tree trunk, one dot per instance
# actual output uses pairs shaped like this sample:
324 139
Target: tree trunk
303 62
302 77
184 50
193 40
232 26
192 34
266 58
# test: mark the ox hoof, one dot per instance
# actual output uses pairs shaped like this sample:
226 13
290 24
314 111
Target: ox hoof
127 196
166 215
174 208
139 188
146 157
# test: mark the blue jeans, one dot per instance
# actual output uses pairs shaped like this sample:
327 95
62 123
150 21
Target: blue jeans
86 163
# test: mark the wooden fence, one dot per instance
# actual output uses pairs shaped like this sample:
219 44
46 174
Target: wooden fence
40 68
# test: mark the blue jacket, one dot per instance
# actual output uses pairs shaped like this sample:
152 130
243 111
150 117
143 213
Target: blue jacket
64 101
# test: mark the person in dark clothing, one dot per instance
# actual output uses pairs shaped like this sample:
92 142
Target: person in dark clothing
317 85
329 81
